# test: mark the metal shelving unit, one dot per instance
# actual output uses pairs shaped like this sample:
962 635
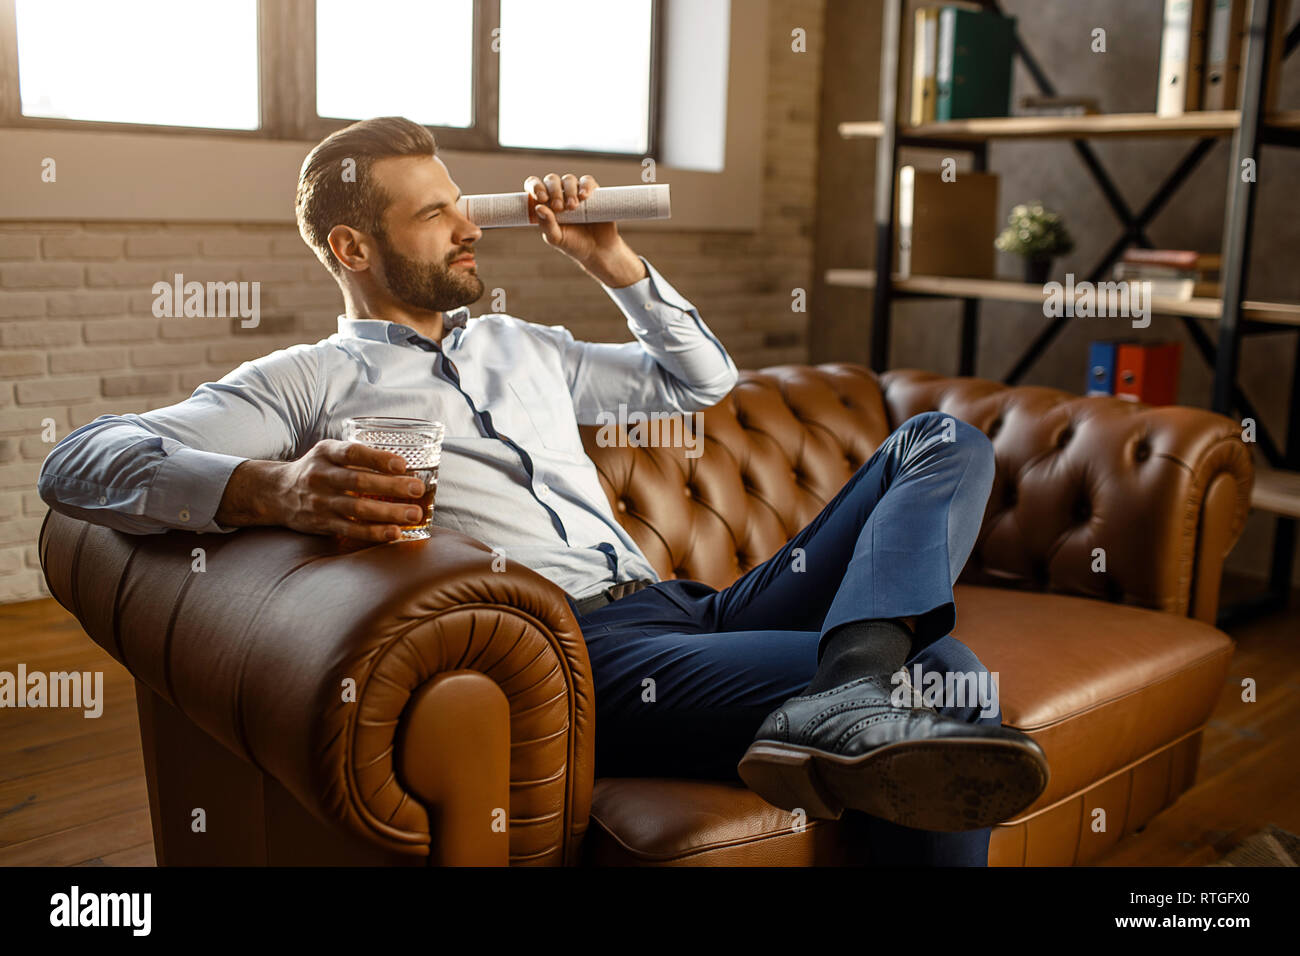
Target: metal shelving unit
1278 487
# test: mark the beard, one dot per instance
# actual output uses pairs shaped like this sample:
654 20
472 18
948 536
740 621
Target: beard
434 286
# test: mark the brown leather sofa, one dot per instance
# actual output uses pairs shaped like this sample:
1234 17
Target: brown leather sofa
407 704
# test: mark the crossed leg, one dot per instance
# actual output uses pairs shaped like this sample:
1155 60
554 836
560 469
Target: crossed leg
684 674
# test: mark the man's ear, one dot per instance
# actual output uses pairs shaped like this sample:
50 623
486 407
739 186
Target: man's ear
351 248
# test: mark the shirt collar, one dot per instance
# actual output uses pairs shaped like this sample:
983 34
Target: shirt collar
394 333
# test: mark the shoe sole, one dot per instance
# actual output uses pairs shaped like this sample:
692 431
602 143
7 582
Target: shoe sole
948 784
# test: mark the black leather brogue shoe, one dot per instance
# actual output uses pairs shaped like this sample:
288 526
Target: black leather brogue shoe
853 747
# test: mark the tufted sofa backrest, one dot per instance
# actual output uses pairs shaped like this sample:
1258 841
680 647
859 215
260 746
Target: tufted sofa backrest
1074 475
773 452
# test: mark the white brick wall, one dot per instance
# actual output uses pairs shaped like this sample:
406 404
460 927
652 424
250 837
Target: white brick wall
78 337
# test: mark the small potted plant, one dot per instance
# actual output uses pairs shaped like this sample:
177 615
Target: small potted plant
1038 234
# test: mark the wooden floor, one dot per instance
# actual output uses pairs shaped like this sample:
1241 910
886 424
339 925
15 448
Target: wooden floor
1249 773
72 789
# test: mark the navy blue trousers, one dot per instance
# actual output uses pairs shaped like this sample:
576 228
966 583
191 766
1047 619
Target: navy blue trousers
685 673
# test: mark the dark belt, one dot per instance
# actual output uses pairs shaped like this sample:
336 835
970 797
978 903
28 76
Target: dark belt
608 596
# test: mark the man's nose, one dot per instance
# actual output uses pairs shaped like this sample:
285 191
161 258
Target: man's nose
467 231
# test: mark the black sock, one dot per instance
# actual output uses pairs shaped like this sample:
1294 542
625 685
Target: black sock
860 648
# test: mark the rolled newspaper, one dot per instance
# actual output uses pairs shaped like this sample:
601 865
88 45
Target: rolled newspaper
606 204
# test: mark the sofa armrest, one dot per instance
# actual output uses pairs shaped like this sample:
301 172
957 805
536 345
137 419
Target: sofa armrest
1161 491
261 646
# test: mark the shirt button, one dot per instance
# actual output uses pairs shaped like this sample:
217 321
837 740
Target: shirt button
648 306
103 500
543 490
185 514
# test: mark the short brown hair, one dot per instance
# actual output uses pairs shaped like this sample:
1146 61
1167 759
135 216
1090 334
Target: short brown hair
325 199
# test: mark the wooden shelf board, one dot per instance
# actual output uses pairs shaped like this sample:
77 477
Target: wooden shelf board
1199 123
1003 290
1274 313
1277 492
1284 119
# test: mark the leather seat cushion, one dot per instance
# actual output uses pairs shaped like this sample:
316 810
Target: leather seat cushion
658 822
1098 685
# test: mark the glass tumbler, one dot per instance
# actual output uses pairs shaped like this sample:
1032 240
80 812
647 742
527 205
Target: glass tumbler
419 442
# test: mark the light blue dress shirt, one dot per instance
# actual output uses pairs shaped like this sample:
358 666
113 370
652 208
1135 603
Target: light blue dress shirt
511 393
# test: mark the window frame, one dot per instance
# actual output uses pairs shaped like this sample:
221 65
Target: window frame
286 56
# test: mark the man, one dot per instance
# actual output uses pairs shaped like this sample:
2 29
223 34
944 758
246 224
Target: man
261 447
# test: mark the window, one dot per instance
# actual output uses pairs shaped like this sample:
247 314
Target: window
412 58
139 61
298 69
594 93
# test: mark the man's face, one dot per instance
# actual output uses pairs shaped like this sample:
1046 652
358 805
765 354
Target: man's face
426 244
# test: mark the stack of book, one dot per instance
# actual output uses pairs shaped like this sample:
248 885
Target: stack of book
1173 273
961 63
1039 105
1201 53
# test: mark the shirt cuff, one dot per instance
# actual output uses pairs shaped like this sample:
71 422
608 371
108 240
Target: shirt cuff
638 300
187 488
